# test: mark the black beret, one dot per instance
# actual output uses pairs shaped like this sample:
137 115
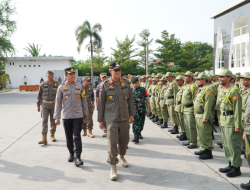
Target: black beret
69 70
134 80
114 65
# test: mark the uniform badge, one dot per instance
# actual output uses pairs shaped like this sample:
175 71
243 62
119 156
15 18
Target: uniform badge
208 93
55 84
196 91
111 86
89 88
235 97
45 85
66 97
58 89
165 91
66 93
110 97
65 88
77 91
101 89
77 86
123 84
77 95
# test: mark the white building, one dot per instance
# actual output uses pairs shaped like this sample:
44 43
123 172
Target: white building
231 38
34 68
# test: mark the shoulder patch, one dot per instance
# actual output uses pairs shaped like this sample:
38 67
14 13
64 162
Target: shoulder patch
208 93
100 90
196 91
235 97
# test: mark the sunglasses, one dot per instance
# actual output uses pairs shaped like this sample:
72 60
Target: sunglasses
88 80
117 70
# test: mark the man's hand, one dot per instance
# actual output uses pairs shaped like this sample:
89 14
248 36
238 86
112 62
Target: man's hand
244 137
101 125
158 102
38 109
85 119
93 108
131 119
163 106
148 111
204 120
174 106
236 130
57 121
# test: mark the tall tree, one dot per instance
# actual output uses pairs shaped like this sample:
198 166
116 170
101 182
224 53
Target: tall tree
125 50
208 61
7 28
167 53
203 49
85 31
33 49
145 53
189 58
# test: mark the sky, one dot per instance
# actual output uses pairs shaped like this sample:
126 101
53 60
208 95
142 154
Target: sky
52 23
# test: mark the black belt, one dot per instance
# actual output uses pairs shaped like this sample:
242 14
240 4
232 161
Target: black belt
199 112
170 97
149 96
243 111
188 106
178 103
162 98
226 113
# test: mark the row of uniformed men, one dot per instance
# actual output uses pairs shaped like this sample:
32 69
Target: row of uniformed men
194 105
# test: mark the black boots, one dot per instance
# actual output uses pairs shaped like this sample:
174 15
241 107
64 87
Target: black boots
136 137
183 137
164 125
155 119
176 130
71 157
234 172
219 143
140 136
78 160
226 169
160 122
200 152
152 116
207 155
245 186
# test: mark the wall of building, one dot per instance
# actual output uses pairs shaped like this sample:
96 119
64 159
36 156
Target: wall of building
226 22
34 70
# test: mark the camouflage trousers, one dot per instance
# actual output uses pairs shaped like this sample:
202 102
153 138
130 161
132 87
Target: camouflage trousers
139 120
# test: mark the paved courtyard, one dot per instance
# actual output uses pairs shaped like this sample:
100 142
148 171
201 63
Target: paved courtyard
157 162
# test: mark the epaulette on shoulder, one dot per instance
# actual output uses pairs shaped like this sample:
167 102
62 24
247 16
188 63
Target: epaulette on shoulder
104 82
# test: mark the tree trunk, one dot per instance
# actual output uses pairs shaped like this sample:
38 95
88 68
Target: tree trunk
91 50
147 59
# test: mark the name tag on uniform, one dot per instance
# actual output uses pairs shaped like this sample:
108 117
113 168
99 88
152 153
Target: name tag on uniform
77 86
77 96
66 97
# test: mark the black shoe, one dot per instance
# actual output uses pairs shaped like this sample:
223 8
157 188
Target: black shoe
186 143
155 119
160 122
152 116
219 143
245 186
71 157
136 137
179 136
170 130
140 136
213 135
206 155
234 172
78 161
221 146
176 130
200 152
164 125
226 169
183 137
242 152
191 147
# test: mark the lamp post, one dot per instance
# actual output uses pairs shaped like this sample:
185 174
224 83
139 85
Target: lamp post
147 52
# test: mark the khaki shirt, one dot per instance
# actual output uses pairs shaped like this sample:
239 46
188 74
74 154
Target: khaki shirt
47 91
70 97
188 96
89 95
116 102
178 97
170 93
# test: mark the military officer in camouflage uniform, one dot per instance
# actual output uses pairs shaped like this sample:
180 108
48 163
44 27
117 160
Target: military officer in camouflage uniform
72 105
116 108
170 100
188 97
229 102
91 107
164 108
141 102
178 107
46 98
103 77
203 113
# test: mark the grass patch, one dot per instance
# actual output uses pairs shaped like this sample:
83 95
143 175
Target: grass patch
5 90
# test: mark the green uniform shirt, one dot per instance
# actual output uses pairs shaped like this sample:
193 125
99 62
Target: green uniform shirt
204 98
170 93
229 100
247 117
162 91
188 96
244 95
179 106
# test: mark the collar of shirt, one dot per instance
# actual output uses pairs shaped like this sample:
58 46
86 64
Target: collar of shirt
246 88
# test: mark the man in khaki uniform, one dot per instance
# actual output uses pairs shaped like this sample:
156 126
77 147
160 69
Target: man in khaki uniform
158 120
116 108
46 98
188 96
170 100
152 99
91 107
103 77
164 107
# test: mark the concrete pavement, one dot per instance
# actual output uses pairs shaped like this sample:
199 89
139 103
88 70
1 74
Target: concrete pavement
157 162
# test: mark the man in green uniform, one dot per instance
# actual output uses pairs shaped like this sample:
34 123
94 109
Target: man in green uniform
152 99
170 100
230 105
149 89
203 113
46 98
246 134
178 107
164 108
188 96
158 119
116 108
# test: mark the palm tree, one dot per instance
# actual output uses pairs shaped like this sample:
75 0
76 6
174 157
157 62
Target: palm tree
84 31
33 49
